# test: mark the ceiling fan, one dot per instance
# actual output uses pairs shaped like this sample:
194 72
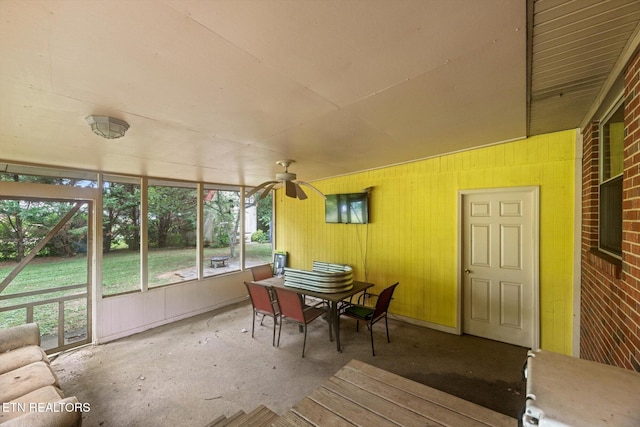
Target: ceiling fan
292 187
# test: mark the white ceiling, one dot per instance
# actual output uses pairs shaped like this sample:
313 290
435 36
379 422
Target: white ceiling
220 90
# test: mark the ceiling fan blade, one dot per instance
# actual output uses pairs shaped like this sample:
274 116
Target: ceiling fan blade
290 189
254 190
312 187
299 192
267 189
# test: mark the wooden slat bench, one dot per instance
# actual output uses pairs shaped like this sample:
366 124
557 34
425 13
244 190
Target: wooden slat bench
363 395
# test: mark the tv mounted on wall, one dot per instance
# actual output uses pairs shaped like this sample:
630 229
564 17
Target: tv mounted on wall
352 208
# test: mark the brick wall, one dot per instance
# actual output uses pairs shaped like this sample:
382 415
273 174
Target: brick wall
610 290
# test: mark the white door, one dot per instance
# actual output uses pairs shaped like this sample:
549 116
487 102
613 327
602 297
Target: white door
499 267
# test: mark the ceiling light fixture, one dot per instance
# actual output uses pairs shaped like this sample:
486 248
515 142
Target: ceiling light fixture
107 127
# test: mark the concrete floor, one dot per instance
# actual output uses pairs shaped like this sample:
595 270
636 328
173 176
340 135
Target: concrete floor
189 372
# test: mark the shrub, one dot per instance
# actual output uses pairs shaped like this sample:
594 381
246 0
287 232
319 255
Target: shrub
259 236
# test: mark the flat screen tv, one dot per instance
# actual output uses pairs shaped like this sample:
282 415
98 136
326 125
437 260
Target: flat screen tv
352 208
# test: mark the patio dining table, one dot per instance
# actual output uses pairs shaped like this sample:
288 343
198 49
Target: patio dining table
333 299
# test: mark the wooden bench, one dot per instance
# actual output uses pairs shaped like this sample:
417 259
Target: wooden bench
363 395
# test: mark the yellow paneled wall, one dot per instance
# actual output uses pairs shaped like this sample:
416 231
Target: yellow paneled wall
413 237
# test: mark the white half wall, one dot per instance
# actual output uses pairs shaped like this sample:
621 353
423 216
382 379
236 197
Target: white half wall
123 315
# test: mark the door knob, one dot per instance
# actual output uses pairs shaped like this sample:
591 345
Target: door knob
466 270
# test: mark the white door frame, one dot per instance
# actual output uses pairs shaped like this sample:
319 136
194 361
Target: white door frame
535 190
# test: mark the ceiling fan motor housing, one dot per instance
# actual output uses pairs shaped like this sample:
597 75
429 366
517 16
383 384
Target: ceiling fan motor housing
285 176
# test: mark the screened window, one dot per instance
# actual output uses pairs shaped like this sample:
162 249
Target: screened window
611 168
221 231
172 234
168 252
120 235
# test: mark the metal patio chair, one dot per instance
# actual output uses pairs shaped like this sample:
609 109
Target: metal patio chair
371 315
263 303
292 308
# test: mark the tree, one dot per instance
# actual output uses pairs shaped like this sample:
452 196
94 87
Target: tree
265 213
12 230
223 206
121 215
42 216
24 222
172 216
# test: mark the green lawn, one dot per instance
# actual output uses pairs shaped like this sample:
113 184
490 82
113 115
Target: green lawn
121 273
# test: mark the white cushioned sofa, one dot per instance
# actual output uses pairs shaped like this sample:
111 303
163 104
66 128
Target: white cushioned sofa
30 393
